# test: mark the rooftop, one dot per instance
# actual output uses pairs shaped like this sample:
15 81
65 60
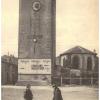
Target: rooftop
78 49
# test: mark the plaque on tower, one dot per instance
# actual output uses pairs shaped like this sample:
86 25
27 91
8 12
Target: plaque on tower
36 47
36 5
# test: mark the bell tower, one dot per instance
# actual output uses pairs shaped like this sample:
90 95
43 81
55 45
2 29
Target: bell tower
36 46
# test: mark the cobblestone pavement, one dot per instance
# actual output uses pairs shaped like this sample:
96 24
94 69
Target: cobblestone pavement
46 93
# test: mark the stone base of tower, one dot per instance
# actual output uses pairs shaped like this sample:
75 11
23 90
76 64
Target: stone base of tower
34 80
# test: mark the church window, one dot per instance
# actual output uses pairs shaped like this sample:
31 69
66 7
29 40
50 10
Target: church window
89 63
65 62
75 62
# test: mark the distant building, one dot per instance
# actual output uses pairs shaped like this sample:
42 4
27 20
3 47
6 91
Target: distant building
78 66
9 69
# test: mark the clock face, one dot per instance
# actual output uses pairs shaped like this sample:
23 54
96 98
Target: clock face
36 6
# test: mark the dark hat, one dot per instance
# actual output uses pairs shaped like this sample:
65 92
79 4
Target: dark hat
28 86
54 85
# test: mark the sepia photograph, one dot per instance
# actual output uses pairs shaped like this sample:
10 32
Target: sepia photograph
50 50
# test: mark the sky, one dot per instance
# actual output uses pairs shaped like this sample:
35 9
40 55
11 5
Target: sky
76 25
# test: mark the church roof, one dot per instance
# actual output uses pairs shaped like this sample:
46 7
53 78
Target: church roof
78 50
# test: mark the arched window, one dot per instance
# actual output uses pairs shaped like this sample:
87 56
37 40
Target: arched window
64 62
75 62
89 63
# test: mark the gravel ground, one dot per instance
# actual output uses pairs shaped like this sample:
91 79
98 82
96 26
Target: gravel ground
46 93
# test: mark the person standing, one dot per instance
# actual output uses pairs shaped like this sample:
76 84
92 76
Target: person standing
28 93
57 93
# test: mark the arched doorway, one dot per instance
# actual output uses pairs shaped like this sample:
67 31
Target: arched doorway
89 75
75 78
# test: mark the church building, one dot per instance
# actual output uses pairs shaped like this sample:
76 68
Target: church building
78 66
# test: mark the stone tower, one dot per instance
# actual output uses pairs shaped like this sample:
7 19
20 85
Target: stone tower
36 46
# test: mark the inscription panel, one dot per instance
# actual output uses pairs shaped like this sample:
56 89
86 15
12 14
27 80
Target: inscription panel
34 66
